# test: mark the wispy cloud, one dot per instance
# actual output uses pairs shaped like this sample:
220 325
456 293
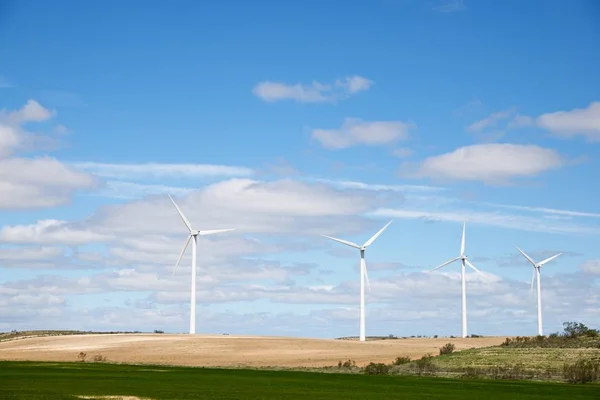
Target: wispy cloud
58 98
314 92
490 120
495 126
451 6
501 220
130 190
471 106
547 210
158 170
378 187
5 82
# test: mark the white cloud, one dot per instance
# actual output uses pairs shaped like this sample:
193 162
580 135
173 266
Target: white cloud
579 121
355 84
591 267
29 253
32 111
311 93
49 232
158 170
355 132
39 182
248 205
36 182
493 163
10 138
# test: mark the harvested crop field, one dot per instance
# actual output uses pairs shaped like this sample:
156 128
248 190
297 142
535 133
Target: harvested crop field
226 351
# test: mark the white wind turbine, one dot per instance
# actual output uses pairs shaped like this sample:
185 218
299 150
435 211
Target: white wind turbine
193 234
536 273
464 261
363 273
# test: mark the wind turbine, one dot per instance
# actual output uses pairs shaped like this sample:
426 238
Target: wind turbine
363 273
463 258
536 272
193 234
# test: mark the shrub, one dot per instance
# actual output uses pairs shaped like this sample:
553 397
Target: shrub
425 365
401 360
435 336
448 348
81 356
582 371
99 358
347 364
376 369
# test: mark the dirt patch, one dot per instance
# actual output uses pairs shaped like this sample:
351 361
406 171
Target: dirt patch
227 351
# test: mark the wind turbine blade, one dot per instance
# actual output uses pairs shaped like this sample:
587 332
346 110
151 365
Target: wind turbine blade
347 243
444 264
526 256
548 259
472 266
183 218
203 233
375 236
462 243
187 242
532 279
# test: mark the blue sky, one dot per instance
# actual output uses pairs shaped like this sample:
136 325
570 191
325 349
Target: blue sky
286 121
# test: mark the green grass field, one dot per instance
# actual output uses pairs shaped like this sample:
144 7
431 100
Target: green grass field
538 359
50 381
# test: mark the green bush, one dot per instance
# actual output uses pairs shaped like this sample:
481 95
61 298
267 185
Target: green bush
425 365
582 371
401 360
448 348
376 369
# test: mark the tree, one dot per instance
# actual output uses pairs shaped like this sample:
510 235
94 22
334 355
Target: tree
577 329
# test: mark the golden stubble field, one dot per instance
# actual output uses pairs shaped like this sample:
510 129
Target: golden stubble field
227 351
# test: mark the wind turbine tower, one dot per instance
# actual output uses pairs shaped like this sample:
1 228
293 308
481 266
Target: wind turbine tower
192 235
536 274
363 273
464 261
